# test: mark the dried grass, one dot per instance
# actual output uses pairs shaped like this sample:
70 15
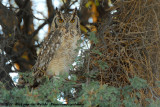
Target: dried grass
131 45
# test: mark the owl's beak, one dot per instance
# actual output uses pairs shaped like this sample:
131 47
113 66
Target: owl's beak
67 27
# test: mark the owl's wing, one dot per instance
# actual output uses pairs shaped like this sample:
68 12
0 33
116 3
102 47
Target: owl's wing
49 47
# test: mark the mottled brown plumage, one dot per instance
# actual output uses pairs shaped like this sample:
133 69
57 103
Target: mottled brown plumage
58 50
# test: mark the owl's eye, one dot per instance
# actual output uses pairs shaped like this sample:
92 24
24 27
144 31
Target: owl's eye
60 20
73 20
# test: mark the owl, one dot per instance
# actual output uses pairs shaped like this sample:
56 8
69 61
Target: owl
58 50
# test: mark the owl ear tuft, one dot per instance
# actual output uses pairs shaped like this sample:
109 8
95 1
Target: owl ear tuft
75 11
57 11
56 8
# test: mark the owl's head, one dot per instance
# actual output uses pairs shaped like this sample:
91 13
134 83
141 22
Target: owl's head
66 21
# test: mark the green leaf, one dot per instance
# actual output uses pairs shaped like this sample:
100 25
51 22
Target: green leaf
153 103
158 83
96 51
92 37
79 41
71 67
138 83
103 65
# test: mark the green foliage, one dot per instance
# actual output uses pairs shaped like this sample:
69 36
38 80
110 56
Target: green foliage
138 83
79 61
153 103
92 37
45 93
103 65
27 77
92 94
96 51
158 83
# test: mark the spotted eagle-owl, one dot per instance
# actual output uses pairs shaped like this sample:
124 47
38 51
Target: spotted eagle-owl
58 50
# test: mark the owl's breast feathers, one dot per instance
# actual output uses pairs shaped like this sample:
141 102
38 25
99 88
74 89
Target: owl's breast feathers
58 52
64 55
